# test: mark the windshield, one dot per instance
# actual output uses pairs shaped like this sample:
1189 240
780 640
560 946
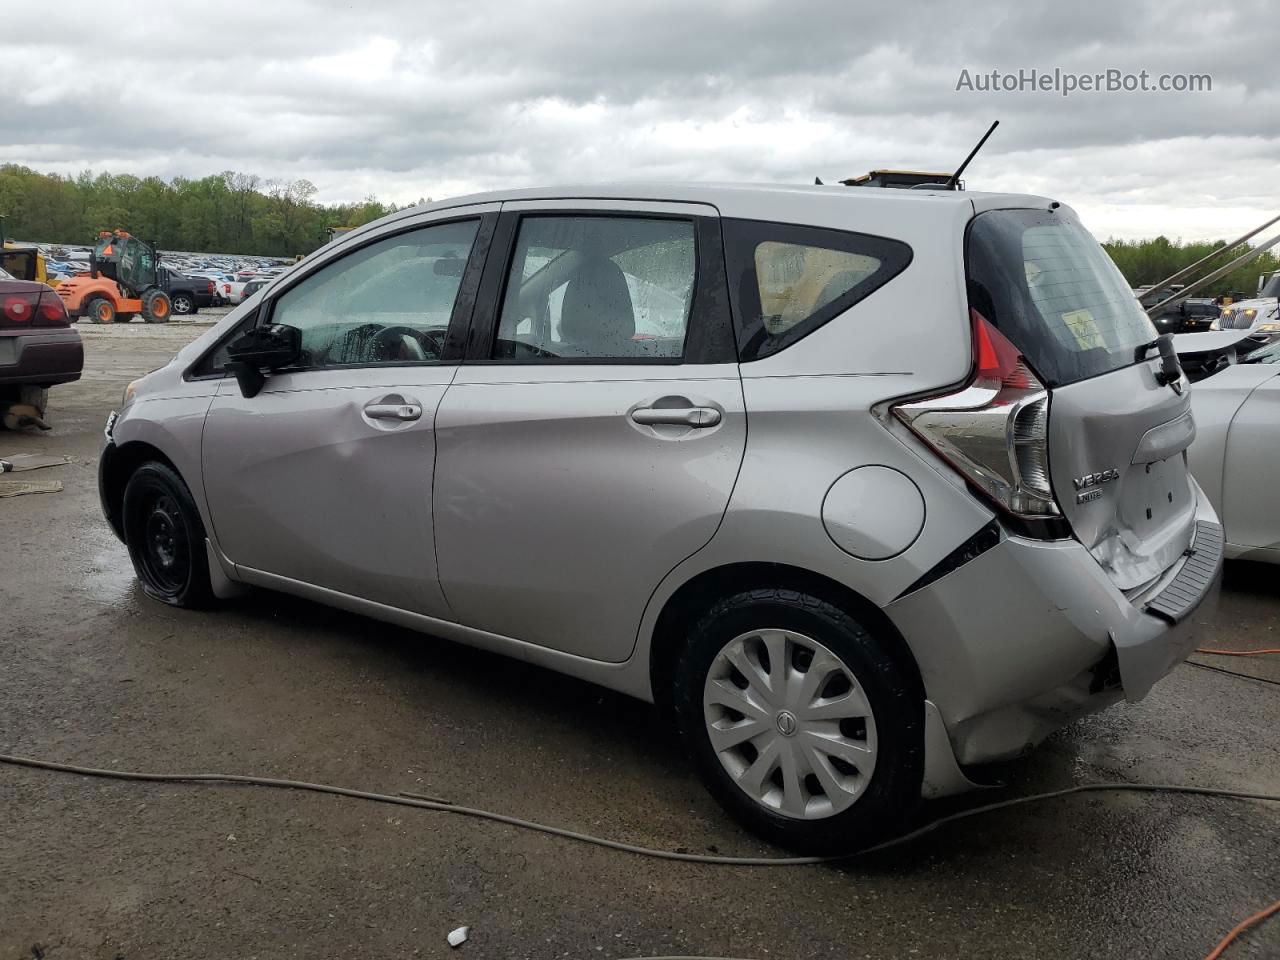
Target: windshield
1046 284
1266 354
1272 287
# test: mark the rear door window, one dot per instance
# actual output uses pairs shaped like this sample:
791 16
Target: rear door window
598 288
787 281
1046 284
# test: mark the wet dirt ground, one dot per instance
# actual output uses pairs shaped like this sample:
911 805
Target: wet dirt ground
91 672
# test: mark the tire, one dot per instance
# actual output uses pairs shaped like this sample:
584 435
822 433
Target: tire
156 307
857 778
100 310
165 537
183 304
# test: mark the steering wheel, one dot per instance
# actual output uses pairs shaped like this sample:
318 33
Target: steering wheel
401 342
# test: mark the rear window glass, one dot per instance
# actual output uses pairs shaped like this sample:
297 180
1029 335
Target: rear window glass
1046 284
787 281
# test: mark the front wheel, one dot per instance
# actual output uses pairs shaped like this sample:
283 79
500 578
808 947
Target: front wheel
165 536
800 722
183 304
100 310
156 307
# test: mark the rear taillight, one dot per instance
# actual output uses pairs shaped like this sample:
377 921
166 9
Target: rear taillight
994 431
35 309
211 288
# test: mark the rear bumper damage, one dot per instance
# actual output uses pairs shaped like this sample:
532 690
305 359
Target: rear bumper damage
1031 635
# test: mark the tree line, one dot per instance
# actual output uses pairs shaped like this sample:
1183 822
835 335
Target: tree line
227 212
1148 261
242 213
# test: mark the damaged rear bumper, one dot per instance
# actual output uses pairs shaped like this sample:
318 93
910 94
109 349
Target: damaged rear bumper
1032 634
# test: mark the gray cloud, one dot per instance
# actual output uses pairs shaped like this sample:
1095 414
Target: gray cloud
409 98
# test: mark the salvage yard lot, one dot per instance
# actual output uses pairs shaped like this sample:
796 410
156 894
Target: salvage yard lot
93 673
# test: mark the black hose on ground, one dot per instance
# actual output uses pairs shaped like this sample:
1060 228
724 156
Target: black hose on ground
446 807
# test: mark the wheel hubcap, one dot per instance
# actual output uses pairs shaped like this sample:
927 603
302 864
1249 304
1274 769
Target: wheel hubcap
790 723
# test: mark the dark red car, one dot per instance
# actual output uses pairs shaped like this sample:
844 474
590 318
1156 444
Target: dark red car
38 345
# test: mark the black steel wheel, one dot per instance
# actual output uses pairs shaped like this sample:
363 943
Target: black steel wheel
165 536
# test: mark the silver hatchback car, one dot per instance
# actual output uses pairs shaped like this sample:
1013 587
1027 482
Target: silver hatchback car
864 486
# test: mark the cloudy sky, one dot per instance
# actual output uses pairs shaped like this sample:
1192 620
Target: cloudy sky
413 98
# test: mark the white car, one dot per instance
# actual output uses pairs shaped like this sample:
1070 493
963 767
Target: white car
233 290
1236 453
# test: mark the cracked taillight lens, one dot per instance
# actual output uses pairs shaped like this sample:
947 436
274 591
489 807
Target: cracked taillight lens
994 431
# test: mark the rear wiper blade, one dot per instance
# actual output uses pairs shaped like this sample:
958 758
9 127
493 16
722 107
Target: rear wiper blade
1170 369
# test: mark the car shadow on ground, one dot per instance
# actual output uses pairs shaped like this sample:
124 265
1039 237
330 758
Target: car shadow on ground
533 690
1250 576
550 703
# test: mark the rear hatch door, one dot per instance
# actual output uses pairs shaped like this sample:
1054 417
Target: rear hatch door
1117 435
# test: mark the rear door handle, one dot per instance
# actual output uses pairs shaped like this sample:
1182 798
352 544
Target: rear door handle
681 416
393 411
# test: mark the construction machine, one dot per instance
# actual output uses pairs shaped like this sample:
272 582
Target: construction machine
22 261
123 280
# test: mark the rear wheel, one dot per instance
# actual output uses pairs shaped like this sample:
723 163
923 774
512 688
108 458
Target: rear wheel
165 536
156 307
183 304
800 721
100 310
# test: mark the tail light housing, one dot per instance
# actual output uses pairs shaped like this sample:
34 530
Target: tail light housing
995 430
32 308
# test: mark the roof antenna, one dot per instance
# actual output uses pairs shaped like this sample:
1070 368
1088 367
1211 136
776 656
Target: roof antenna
818 182
955 177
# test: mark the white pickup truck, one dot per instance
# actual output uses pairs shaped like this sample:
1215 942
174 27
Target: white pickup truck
1260 314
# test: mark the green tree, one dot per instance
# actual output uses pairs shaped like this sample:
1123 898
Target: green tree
228 212
1149 261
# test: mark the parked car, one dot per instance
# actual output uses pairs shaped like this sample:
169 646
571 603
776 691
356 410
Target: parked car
1237 450
39 348
948 531
186 294
232 291
253 286
1191 315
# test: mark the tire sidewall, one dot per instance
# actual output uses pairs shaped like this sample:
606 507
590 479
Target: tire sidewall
147 481
148 307
91 308
898 709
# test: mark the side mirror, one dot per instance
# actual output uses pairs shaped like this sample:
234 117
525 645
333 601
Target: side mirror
270 347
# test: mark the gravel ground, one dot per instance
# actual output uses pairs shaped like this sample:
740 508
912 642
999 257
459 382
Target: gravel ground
92 672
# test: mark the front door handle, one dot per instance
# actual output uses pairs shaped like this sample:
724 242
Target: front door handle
393 411
681 416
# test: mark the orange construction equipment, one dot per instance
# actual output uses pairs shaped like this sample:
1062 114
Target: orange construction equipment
122 282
